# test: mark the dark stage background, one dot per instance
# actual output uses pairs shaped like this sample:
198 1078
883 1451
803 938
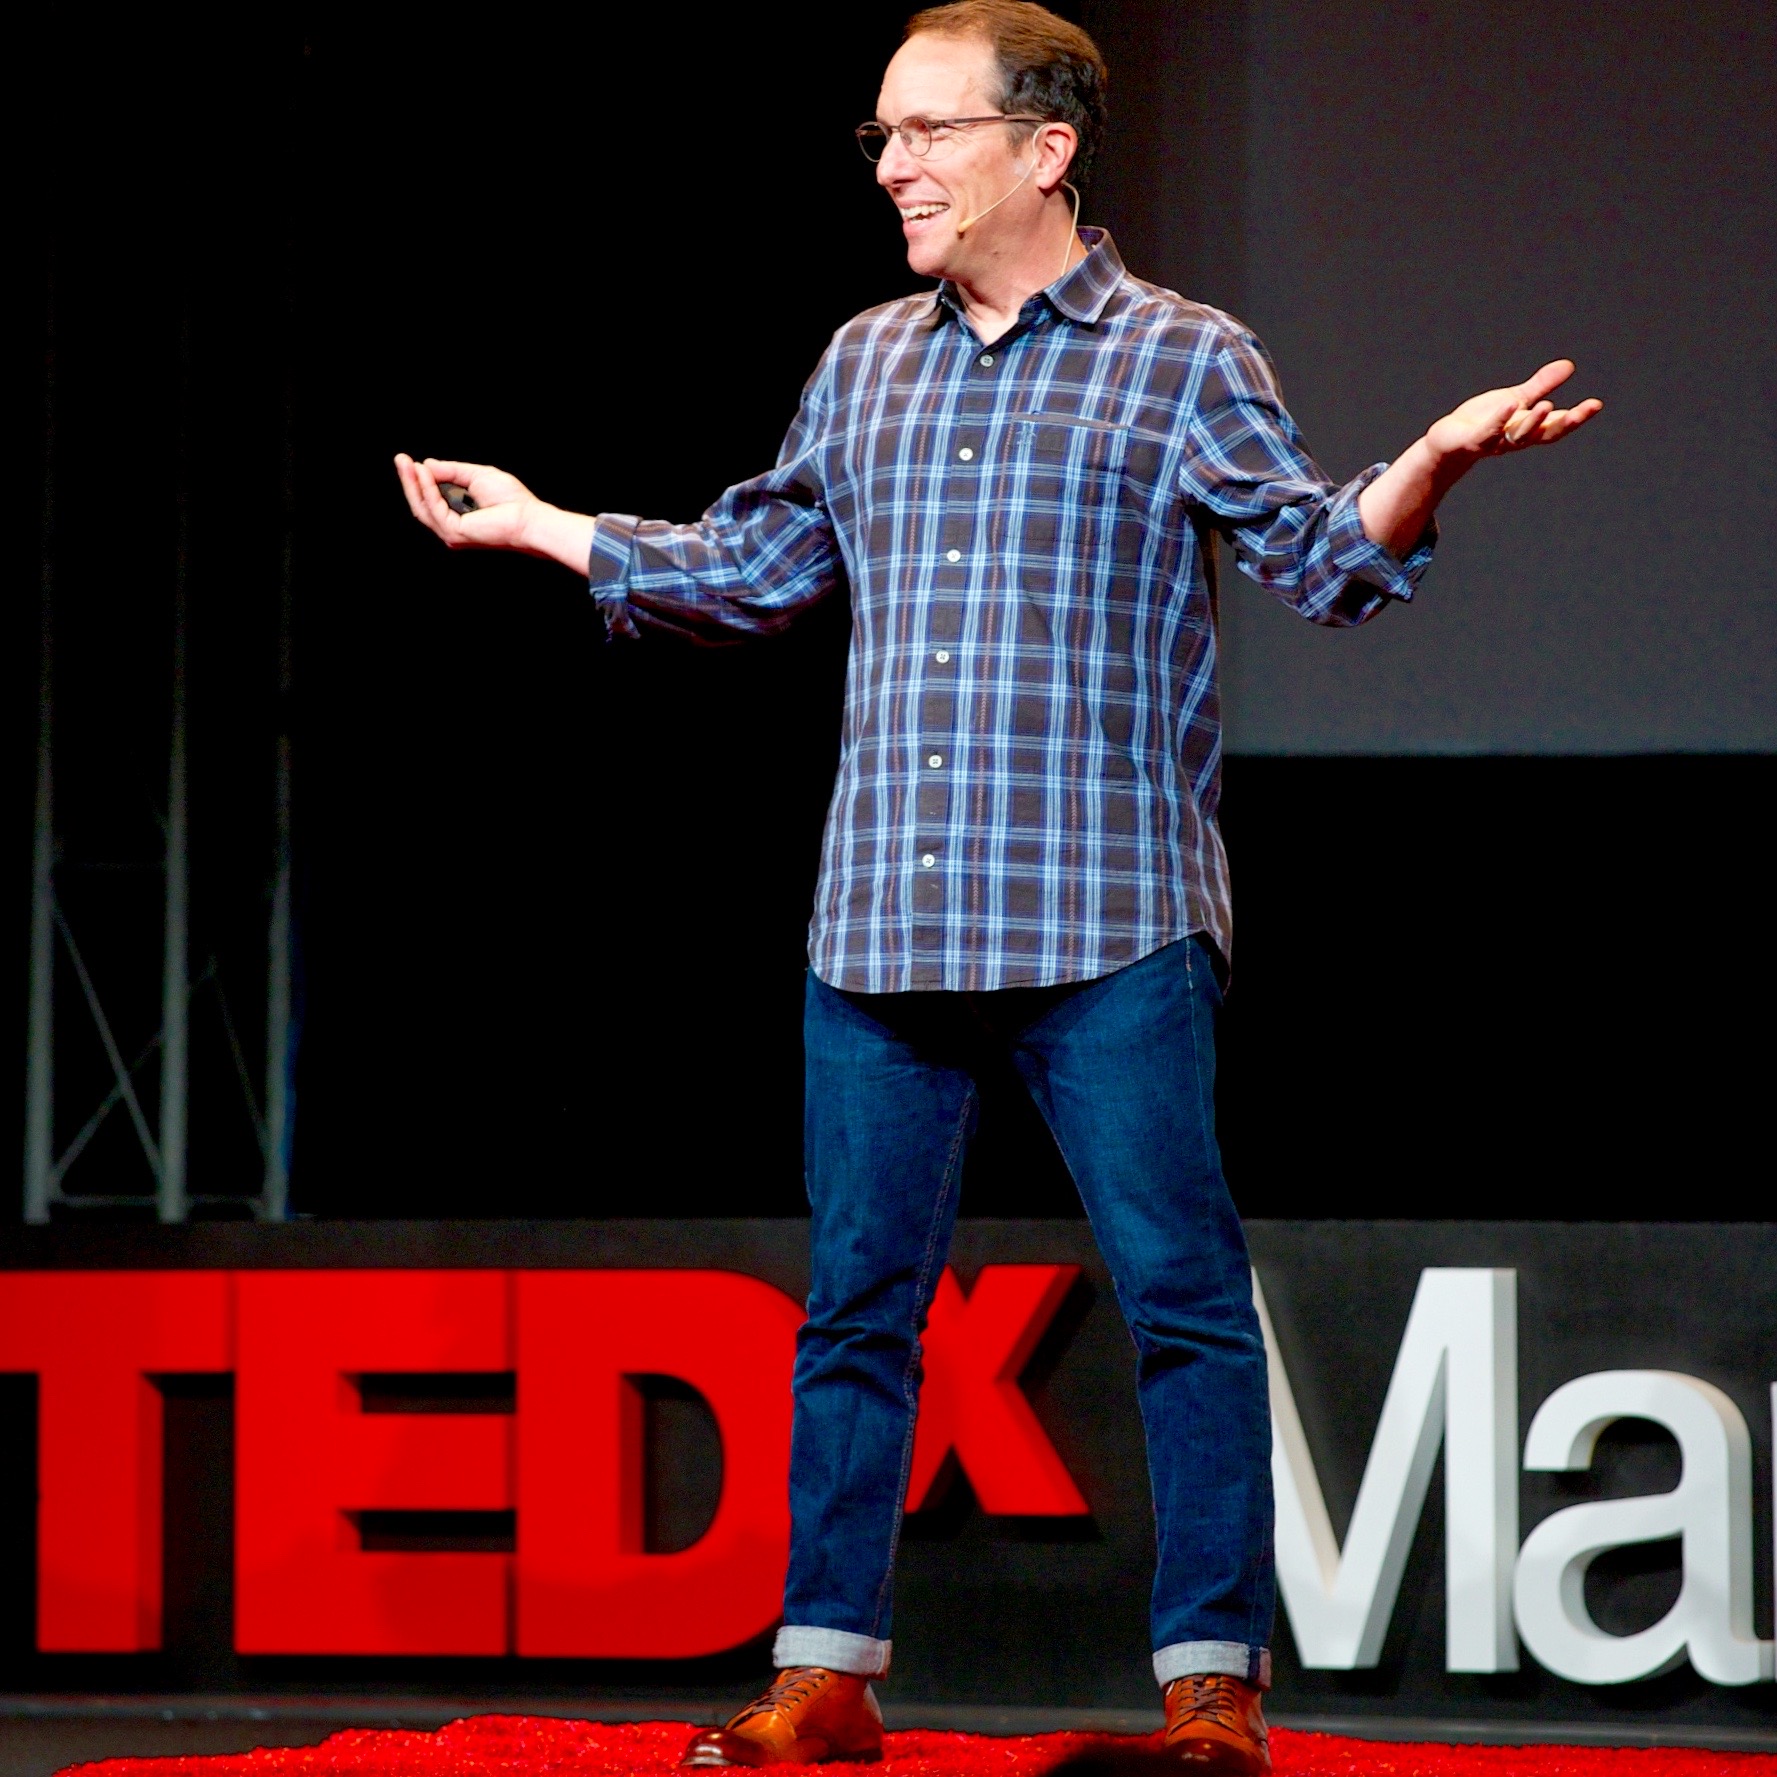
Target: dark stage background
552 895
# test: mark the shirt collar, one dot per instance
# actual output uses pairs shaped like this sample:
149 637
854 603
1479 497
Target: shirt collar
1080 293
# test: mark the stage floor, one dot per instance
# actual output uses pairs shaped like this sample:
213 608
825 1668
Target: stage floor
42 1735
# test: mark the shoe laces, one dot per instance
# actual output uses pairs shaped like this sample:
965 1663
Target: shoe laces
796 1685
1209 1696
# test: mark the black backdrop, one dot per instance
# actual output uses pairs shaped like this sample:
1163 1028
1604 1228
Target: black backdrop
552 895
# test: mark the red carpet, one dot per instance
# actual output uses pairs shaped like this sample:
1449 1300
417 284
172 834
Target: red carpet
539 1746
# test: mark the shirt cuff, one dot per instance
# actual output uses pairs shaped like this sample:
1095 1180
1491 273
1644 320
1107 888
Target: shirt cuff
1357 557
607 571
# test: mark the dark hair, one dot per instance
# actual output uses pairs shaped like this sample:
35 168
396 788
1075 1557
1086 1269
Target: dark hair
1047 67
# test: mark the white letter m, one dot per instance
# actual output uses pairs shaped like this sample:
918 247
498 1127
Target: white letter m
1455 1382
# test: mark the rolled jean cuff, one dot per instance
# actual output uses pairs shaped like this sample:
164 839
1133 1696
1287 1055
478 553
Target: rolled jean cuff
1190 1659
862 1656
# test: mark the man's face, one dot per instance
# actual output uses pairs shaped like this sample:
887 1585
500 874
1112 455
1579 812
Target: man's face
934 76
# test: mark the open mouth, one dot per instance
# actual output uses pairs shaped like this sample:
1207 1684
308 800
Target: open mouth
921 212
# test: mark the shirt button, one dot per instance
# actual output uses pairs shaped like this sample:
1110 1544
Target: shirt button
987 360
942 657
928 860
967 455
953 555
935 761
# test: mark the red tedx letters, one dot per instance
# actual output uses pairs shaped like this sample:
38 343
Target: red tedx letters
310 1461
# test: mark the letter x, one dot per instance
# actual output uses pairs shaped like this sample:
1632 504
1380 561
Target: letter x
971 1402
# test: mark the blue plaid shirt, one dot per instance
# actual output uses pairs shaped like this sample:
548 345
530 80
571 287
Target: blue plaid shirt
1030 765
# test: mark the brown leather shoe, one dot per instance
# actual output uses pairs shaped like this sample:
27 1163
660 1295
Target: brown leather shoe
808 1716
1215 1726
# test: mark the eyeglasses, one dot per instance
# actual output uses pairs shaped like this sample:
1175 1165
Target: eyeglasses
919 133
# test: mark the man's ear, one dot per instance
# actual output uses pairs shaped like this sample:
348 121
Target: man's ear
1053 151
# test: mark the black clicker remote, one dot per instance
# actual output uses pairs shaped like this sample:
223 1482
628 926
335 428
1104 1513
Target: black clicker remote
457 498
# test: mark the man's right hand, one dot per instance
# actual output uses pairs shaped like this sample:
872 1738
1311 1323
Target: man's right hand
507 516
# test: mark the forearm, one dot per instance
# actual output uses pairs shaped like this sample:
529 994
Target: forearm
1398 505
733 575
565 537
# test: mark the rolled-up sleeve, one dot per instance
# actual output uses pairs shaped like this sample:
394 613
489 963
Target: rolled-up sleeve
761 553
1296 533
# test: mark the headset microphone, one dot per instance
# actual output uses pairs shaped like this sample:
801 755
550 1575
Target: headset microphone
1073 235
963 227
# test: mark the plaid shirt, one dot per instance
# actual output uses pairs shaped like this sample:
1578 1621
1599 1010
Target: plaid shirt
1030 764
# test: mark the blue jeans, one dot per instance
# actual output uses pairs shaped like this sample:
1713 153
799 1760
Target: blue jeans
1122 1069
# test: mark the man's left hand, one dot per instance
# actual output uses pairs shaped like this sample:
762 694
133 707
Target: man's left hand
1505 420
1397 506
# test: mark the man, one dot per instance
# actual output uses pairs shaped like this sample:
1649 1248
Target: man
1018 476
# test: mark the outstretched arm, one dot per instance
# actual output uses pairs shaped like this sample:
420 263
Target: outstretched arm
761 553
1397 506
507 515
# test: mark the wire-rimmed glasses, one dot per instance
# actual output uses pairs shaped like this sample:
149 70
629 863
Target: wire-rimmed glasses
919 133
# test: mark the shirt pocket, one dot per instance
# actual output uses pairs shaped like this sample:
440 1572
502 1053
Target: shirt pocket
1063 497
